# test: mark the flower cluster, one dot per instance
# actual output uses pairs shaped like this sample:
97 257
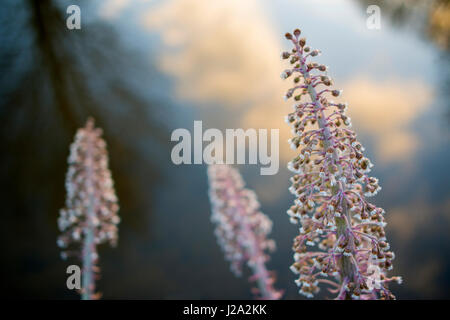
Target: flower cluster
241 229
90 216
331 184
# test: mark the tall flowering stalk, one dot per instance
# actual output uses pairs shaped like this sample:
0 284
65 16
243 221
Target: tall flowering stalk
90 216
331 184
241 229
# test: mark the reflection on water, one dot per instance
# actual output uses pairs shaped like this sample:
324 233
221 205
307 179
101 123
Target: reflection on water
385 110
218 61
430 18
52 81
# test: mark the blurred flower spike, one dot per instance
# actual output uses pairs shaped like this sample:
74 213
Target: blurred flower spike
348 250
241 229
90 216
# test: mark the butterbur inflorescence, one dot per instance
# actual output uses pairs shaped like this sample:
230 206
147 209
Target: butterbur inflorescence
241 229
90 216
331 184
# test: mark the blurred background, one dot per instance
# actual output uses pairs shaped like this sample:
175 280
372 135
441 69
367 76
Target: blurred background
146 67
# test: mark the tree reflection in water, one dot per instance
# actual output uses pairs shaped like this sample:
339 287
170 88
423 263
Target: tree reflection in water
51 80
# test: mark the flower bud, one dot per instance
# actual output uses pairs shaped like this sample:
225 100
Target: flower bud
302 42
336 93
285 55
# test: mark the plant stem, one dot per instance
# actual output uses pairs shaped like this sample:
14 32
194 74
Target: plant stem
89 245
347 269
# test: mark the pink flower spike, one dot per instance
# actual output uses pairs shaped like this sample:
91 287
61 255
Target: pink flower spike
342 234
241 229
90 216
